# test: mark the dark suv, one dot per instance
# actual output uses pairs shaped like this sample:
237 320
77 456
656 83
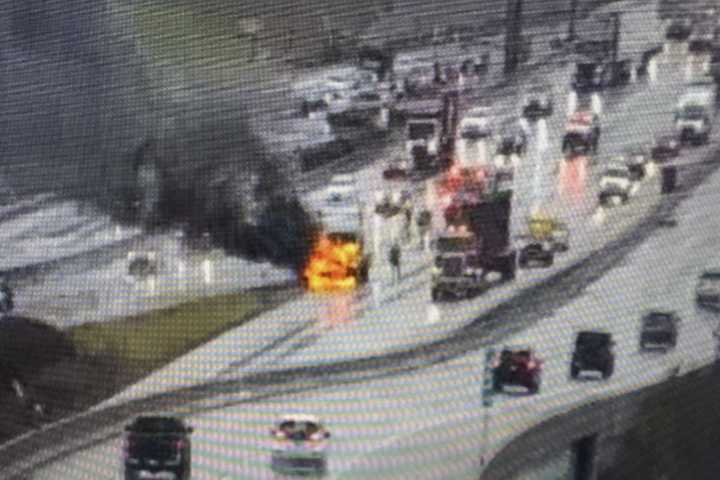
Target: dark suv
593 352
517 367
659 330
157 447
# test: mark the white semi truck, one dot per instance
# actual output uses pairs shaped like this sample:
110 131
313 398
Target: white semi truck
695 111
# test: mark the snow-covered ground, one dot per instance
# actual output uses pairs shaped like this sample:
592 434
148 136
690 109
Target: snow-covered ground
317 329
429 424
42 230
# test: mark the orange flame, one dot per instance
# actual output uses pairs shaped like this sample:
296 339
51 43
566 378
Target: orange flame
333 266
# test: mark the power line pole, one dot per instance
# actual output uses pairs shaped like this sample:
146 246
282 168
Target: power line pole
615 16
513 34
571 26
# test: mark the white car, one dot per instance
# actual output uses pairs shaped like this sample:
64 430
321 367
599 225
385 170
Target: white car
300 444
538 102
616 182
707 292
505 165
343 180
142 265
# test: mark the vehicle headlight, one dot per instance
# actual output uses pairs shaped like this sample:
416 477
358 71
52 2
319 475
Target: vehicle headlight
499 162
436 271
432 147
408 145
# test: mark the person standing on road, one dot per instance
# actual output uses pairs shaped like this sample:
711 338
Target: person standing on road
6 297
407 210
423 224
395 262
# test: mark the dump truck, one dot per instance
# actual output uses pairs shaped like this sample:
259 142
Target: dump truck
487 217
430 129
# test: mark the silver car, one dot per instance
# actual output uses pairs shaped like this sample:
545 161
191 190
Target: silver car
300 444
707 292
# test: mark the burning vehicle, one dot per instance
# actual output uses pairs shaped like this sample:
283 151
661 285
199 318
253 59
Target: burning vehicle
338 261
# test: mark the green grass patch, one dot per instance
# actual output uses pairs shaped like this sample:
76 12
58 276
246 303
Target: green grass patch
143 343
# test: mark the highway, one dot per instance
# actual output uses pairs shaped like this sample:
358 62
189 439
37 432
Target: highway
419 363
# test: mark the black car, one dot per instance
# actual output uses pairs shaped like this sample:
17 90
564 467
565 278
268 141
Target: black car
636 159
679 30
156 445
659 330
593 352
666 147
538 102
535 253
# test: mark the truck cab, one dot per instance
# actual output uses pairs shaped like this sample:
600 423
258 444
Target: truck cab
474 130
457 269
582 134
693 124
430 132
594 76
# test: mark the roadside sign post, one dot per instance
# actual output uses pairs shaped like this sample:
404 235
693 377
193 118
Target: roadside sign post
487 398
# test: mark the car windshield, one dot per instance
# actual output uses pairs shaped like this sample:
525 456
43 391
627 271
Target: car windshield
473 132
299 430
693 113
454 244
658 320
711 276
419 131
592 340
617 173
155 447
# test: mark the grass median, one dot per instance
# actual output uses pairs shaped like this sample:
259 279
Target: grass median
138 345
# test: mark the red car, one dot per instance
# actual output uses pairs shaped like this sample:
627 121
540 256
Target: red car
517 366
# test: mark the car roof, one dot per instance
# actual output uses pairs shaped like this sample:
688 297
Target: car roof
157 424
660 313
594 333
517 348
300 417
343 178
478 110
617 166
635 149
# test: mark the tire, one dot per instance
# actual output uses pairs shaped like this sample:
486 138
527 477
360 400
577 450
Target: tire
549 262
534 386
435 295
607 373
522 262
574 372
497 385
